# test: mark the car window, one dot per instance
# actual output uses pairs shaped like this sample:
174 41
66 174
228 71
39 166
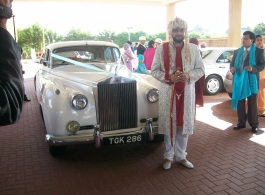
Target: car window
46 58
225 57
116 54
85 54
205 53
42 58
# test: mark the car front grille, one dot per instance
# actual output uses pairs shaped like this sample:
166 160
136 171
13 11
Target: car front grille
117 104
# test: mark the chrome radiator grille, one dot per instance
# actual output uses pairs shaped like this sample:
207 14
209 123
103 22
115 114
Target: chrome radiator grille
117 104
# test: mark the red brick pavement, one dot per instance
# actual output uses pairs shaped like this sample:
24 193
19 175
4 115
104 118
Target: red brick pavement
226 161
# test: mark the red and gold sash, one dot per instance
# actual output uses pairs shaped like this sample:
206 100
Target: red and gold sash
177 88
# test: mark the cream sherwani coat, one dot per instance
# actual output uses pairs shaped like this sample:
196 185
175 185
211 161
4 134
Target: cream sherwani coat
195 69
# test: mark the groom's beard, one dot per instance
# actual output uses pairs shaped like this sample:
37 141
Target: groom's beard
178 40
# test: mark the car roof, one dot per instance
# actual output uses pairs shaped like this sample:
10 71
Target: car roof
218 48
79 43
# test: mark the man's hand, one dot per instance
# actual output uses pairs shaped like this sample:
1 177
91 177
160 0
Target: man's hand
179 77
232 70
248 68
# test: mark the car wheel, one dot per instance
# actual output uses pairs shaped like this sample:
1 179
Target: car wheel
57 150
213 85
230 95
158 138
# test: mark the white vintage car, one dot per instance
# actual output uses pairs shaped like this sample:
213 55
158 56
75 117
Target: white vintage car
87 94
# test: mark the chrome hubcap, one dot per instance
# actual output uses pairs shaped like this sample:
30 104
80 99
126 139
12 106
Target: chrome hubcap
213 85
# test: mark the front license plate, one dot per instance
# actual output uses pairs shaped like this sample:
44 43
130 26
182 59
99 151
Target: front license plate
126 139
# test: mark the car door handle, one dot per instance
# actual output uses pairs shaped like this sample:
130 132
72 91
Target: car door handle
221 66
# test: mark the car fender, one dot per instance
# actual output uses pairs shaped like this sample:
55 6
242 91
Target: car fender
57 109
146 82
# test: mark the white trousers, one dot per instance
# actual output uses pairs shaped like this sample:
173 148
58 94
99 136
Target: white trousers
181 141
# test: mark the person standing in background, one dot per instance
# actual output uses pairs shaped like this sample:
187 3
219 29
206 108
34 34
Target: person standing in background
158 41
261 93
141 69
248 61
200 84
129 57
130 43
135 48
203 45
149 54
110 40
141 48
11 79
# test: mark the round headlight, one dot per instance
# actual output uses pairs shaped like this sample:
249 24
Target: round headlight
73 126
152 95
79 102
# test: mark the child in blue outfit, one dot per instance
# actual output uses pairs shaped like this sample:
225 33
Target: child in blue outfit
141 66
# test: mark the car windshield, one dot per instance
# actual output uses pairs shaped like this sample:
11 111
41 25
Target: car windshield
85 54
205 53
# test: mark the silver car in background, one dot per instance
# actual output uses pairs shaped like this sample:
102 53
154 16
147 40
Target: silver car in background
216 62
228 83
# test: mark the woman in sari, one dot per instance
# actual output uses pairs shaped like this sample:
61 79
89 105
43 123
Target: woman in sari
129 57
261 93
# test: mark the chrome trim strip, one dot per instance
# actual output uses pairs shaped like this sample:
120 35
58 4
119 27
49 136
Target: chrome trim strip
97 136
95 92
89 138
149 129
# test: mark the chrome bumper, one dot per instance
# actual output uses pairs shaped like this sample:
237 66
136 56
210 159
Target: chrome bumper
98 136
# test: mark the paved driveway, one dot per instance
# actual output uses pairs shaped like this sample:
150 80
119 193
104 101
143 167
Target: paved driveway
226 161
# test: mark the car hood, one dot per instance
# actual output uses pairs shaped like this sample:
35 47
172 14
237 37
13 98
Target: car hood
147 80
80 74
89 76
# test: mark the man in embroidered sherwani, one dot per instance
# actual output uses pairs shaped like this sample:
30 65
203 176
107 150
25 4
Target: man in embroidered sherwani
177 65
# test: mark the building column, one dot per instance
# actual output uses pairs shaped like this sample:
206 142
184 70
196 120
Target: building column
170 15
234 31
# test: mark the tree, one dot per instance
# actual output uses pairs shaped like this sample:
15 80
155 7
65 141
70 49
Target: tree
260 29
135 36
77 35
161 36
121 39
106 35
195 35
198 29
23 41
51 37
30 37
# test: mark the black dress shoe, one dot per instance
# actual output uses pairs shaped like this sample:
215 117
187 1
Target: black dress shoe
26 99
254 129
237 127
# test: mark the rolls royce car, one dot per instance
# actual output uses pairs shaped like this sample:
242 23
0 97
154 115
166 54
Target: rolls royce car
87 95
216 61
